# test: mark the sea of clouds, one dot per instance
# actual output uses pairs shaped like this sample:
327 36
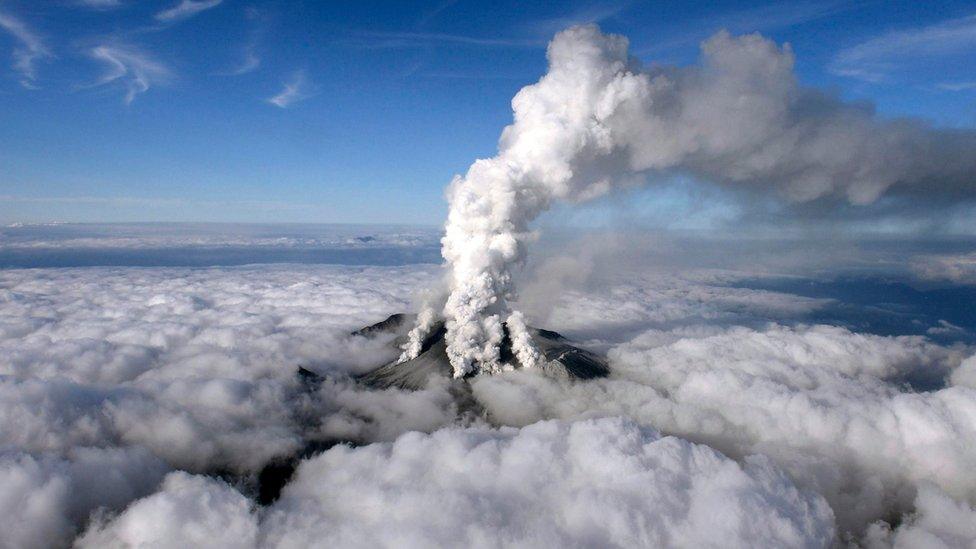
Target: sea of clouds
141 404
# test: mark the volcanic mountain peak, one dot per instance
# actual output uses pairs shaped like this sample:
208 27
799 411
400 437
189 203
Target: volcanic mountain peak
561 358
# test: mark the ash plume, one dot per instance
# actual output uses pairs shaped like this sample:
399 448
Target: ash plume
598 120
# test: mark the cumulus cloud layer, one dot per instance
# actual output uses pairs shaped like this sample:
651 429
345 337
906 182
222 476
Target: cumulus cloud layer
598 120
939 522
113 378
44 497
188 369
606 483
830 406
89 361
188 511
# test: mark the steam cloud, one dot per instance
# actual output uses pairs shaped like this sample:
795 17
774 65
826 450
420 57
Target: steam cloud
598 120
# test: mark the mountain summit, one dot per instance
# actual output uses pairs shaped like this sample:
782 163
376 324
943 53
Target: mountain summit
561 358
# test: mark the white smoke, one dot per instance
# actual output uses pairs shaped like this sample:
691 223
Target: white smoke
598 120
426 320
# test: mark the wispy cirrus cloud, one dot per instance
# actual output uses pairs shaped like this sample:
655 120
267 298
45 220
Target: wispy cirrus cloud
186 9
100 4
957 86
595 13
394 40
298 88
30 48
432 14
761 18
249 62
777 16
874 59
136 69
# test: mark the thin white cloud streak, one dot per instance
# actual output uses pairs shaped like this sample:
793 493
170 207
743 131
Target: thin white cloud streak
250 63
136 70
250 60
432 14
151 203
590 14
775 16
186 9
759 19
30 50
299 88
100 4
536 32
376 39
874 59
957 86
136 236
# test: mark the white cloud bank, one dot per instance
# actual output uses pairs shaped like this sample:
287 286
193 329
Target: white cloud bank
828 405
938 523
176 368
104 357
606 483
44 498
188 511
111 378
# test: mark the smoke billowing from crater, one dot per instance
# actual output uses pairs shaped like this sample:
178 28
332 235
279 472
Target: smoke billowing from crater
598 120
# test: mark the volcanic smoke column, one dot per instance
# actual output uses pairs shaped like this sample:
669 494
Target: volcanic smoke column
558 129
598 120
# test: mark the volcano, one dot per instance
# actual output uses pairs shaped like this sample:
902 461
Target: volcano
561 358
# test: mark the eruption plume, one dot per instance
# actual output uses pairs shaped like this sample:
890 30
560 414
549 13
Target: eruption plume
598 120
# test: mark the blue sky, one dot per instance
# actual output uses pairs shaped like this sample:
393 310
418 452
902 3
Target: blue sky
305 111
